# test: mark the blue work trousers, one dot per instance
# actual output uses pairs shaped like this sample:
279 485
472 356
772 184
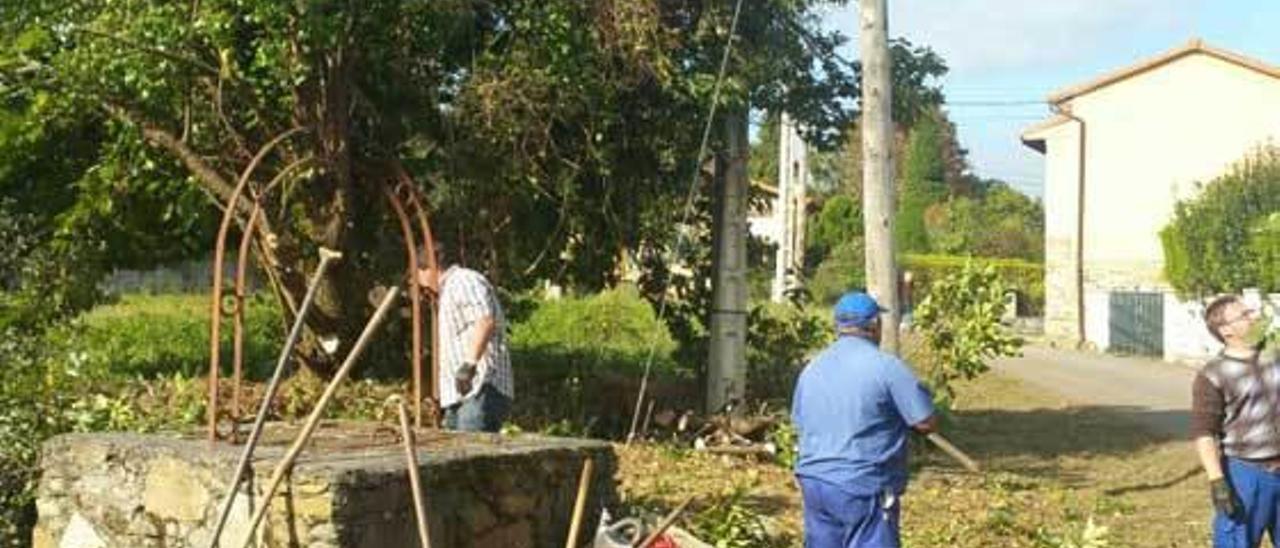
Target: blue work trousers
834 518
1259 492
483 412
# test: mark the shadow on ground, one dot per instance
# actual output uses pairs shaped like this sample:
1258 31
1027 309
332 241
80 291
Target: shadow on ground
1045 441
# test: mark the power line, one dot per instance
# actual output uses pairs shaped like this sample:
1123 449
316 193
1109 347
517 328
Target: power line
996 103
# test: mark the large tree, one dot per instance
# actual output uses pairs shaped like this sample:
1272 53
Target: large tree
574 121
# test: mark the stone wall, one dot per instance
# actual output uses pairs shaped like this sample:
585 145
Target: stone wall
348 490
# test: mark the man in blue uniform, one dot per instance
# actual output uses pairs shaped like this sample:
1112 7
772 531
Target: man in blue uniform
854 407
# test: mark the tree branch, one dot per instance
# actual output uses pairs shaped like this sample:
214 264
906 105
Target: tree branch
210 177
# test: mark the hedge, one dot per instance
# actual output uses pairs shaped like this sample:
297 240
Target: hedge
1026 278
1222 241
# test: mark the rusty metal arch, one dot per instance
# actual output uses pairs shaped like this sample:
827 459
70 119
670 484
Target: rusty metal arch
404 190
229 214
404 185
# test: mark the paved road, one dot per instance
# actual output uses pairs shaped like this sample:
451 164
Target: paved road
1154 393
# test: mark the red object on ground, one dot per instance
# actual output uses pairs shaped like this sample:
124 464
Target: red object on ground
664 541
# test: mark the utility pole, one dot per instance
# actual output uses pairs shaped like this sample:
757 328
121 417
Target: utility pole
877 165
788 210
727 367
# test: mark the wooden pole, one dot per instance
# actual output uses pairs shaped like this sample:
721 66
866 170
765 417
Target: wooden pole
877 166
327 256
415 483
955 452
314 419
580 505
665 524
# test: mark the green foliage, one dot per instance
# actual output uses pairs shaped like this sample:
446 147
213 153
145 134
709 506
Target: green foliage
1211 244
1264 249
786 440
26 402
960 322
997 221
842 270
151 336
615 326
780 338
729 522
1024 278
839 222
923 184
580 359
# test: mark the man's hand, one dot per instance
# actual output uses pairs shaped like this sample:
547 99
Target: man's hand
927 426
1224 499
463 377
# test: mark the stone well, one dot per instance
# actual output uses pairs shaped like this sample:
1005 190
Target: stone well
350 488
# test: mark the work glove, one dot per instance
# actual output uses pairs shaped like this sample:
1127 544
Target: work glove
463 377
1225 500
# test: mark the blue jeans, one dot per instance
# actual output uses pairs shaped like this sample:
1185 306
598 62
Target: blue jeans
834 518
483 412
1259 492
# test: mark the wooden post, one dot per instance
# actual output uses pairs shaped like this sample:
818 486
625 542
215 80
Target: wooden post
877 165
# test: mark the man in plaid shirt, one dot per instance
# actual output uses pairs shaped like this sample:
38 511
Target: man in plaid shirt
476 385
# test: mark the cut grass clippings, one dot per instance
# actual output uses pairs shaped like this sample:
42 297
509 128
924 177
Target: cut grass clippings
1055 475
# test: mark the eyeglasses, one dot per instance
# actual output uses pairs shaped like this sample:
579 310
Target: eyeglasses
1248 313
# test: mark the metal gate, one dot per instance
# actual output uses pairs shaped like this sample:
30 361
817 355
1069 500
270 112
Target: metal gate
1136 323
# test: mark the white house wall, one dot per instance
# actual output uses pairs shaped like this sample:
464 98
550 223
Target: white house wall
1060 320
1151 139
1097 318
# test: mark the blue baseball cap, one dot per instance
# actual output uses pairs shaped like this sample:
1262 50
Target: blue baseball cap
856 309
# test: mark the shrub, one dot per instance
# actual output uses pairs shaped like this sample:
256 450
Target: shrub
616 326
1024 278
959 320
730 522
158 336
1210 245
843 269
1264 248
780 338
579 359
25 420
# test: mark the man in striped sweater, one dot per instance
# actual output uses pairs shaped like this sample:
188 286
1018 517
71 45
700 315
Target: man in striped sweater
1234 425
475 379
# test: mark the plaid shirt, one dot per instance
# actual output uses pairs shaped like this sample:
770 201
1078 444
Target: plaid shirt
465 298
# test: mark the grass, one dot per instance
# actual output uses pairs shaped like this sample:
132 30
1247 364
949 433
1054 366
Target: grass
1056 475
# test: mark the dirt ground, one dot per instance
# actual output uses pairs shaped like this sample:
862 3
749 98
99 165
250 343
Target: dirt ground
1056 474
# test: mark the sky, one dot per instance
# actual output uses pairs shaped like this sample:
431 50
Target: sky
1019 51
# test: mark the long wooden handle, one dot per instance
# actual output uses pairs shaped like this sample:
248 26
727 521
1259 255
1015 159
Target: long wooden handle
580 504
665 524
312 421
954 451
415 484
327 256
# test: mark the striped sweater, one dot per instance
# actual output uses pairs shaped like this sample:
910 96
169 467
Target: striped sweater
1234 400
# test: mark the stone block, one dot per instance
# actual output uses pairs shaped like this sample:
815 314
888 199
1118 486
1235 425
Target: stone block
172 491
347 490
